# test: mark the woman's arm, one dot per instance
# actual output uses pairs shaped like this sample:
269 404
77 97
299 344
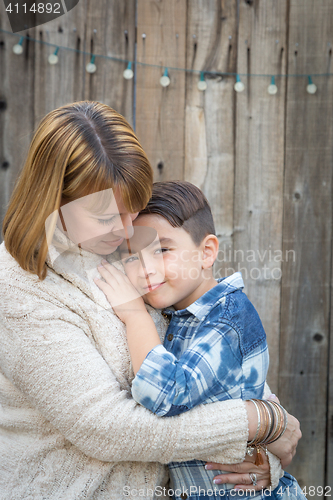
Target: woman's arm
271 471
53 362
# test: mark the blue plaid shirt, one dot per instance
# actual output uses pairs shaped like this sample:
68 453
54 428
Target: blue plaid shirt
214 350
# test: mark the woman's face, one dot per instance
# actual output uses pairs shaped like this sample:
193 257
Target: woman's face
100 232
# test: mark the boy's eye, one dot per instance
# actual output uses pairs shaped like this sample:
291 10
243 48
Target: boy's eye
161 250
131 259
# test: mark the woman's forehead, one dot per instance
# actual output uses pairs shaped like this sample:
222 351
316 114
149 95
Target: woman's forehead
108 201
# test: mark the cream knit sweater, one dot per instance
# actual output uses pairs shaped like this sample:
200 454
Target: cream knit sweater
69 428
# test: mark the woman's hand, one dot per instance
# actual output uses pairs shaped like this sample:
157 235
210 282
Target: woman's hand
239 474
285 447
123 297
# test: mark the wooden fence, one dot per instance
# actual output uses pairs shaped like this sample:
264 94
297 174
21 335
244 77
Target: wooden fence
264 161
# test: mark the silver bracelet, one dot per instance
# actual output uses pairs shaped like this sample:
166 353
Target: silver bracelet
259 422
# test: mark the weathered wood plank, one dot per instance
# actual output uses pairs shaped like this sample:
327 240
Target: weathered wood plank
209 118
17 108
56 85
307 231
259 164
329 463
231 145
111 31
161 40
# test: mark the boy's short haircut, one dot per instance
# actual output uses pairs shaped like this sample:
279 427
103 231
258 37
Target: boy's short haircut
183 205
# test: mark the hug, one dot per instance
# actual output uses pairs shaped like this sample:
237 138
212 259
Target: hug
109 355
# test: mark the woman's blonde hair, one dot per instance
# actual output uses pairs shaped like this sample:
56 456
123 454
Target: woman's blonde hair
78 149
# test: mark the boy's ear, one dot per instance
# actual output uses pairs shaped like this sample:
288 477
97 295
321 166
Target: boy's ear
210 248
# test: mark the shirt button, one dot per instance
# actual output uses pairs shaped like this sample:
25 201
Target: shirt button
170 337
183 496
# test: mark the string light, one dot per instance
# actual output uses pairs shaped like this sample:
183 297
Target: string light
91 66
311 87
202 84
53 58
239 85
272 88
165 80
18 49
128 73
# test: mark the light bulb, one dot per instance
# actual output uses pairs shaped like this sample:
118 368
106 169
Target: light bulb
311 88
202 85
91 68
53 59
128 74
17 49
239 86
272 88
165 81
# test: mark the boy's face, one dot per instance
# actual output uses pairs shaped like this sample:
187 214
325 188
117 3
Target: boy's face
168 271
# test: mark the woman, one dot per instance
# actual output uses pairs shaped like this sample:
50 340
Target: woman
68 425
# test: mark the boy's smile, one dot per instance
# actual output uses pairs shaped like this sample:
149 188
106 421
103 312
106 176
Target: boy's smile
170 270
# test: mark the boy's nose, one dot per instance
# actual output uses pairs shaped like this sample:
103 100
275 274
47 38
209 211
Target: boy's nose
147 268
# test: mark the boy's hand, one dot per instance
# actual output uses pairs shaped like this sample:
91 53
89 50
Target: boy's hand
123 297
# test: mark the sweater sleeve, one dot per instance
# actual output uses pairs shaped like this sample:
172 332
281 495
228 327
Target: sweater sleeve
54 364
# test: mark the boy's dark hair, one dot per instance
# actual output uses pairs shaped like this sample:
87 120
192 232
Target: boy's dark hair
183 205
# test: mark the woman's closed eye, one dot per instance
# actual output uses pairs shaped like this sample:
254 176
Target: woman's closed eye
106 222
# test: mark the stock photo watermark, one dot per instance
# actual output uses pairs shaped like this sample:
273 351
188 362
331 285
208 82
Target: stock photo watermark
184 492
253 264
27 14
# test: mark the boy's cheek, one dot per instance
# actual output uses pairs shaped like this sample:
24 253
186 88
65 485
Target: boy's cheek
196 257
132 276
172 270
171 257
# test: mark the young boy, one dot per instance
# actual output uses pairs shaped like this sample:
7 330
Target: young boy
215 346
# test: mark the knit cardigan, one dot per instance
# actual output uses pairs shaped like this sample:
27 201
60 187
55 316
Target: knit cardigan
69 428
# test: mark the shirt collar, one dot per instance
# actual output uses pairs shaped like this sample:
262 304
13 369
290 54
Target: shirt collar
201 307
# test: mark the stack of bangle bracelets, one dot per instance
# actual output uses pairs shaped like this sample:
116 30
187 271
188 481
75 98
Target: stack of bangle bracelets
272 423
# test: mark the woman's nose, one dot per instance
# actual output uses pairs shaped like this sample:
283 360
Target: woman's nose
124 226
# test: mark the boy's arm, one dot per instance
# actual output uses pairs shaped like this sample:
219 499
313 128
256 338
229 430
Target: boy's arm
211 367
142 335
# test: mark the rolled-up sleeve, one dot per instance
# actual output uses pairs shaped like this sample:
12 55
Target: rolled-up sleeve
209 370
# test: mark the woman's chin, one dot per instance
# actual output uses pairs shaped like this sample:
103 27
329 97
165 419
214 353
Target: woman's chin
101 248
